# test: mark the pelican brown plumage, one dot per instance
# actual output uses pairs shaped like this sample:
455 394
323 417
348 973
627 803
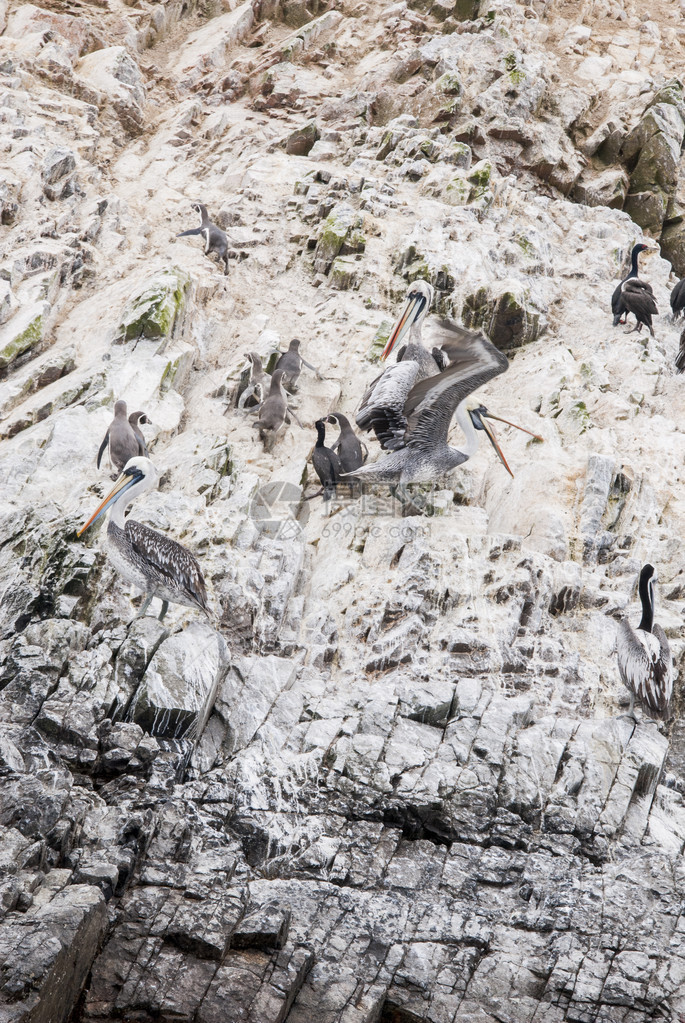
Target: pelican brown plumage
382 407
644 656
156 564
422 454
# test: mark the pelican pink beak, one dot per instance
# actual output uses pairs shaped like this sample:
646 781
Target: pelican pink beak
413 308
126 480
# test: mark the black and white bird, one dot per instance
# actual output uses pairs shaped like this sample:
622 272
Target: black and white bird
156 564
291 363
382 407
215 239
326 463
634 296
680 357
420 452
274 412
644 656
124 438
678 299
137 419
351 451
258 383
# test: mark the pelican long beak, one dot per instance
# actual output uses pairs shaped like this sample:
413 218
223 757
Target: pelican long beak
126 480
492 437
515 425
408 316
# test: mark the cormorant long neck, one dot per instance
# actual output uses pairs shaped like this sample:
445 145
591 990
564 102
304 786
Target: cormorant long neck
647 598
320 435
472 438
633 263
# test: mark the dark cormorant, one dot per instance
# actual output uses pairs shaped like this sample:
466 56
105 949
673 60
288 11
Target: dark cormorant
644 656
325 462
634 296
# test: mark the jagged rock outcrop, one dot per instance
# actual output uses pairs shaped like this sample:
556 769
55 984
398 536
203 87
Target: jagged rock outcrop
388 779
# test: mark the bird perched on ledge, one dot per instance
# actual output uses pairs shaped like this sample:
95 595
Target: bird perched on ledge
156 564
634 296
124 437
644 656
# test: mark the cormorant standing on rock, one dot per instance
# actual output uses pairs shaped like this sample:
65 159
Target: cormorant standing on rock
644 656
325 462
634 296
351 451
678 299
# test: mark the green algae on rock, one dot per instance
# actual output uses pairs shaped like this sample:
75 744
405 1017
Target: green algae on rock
156 308
24 331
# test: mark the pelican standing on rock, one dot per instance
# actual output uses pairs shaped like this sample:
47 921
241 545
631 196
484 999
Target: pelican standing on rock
124 438
155 563
382 407
644 656
634 296
424 455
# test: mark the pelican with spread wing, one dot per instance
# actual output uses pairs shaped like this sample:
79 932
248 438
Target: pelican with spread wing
420 427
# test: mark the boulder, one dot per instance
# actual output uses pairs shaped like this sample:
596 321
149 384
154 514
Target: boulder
157 308
180 684
111 76
606 189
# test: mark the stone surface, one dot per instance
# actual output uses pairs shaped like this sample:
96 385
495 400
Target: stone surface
391 777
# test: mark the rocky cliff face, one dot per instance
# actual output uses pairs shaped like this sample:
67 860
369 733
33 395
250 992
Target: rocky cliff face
391 784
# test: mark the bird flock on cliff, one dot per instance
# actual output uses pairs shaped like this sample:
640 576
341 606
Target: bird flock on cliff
409 409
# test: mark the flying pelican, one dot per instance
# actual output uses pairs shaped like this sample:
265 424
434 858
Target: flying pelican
155 563
644 656
291 362
325 462
678 299
123 437
425 454
351 451
634 296
381 408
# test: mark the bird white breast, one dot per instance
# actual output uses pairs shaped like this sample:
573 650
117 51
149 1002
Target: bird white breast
650 643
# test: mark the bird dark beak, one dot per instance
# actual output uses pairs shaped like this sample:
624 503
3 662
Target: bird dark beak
408 315
125 481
